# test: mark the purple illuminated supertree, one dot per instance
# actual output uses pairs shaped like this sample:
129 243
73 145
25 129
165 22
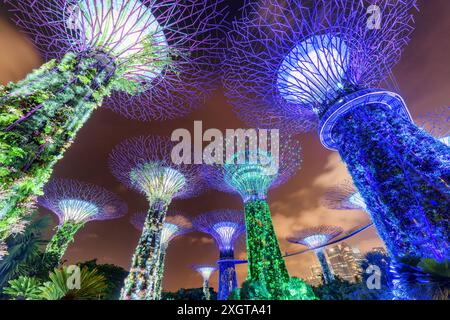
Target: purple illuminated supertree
144 164
254 163
75 203
316 238
343 196
225 226
302 64
152 59
175 225
205 270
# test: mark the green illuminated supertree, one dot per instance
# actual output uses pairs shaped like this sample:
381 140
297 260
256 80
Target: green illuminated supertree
150 59
145 164
205 271
175 224
250 171
75 203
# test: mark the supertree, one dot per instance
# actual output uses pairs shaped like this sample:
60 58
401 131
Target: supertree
307 64
316 238
225 226
75 203
250 169
151 59
175 225
343 196
205 270
144 164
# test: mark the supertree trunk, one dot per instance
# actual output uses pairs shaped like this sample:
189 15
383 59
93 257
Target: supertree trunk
159 276
206 289
227 278
403 174
139 282
39 118
65 234
327 274
265 262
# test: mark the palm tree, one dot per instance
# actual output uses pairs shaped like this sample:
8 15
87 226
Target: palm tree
92 285
24 253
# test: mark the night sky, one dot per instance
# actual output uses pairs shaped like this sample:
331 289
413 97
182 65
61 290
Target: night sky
423 76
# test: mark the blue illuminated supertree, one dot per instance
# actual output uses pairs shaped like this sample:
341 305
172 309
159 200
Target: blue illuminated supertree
175 224
75 203
144 164
316 238
205 270
225 226
250 168
151 60
306 64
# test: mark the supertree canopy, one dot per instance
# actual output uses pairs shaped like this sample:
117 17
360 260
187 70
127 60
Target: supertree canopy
152 59
306 64
225 226
205 270
75 203
343 196
250 172
175 224
316 238
144 164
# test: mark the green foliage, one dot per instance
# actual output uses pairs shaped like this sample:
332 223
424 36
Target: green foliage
92 285
23 288
265 262
188 294
294 289
297 289
254 290
39 118
25 257
337 289
62 238
235 294
113 274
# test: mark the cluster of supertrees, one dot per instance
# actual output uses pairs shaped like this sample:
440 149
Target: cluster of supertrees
296 65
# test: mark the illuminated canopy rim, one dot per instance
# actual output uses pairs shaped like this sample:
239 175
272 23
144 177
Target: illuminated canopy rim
205 270
343 196
268 32
224 225
77 201
315 236
128 159
257 176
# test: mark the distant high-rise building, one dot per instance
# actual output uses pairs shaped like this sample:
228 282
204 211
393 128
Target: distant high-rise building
316 276
345 261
